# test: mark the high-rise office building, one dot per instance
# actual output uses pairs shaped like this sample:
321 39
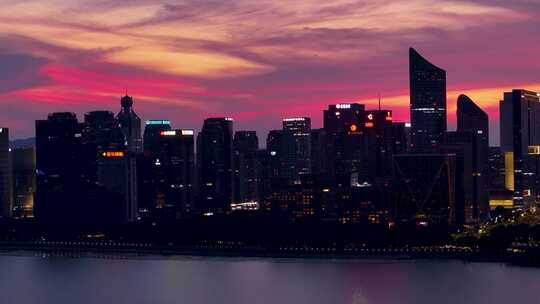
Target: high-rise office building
461 144
152 134
114 173
6 201
319 152
24 181
215 165
63 193
130 125
520 143
428 102
378 130
424 189
103 129
246 169
471 119
174 168
344 141
296 148
101 133
59 167
108 162
400 137
152 180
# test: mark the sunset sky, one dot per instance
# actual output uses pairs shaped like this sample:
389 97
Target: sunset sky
255 60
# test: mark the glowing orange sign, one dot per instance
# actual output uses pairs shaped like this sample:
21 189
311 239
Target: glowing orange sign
113 154
354 128
369 125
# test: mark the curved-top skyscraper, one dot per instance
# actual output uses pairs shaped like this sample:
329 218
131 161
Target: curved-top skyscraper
428 102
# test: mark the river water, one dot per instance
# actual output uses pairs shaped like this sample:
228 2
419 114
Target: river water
29 278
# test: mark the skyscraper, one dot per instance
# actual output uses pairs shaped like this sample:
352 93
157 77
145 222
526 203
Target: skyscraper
461 144
520 143
296 148
428 102
215 165
59 167
101 133
152 134
64 195
130 124
115 174
24 181
473 120
107 159
342 124
173 173
5 174
246 173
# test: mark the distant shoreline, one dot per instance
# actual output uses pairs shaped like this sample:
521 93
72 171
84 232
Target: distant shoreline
127 252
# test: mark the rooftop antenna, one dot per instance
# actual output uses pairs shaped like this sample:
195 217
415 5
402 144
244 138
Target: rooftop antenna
379 101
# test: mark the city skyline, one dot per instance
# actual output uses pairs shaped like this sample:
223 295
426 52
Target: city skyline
180 66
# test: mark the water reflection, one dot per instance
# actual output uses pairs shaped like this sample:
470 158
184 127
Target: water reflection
86 278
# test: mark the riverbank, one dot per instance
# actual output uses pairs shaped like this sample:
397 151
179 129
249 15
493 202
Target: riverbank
111 250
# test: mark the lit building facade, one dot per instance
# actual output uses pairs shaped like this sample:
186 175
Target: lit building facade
24 181
520 144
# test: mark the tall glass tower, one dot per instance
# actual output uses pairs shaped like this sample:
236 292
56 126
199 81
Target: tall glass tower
428 102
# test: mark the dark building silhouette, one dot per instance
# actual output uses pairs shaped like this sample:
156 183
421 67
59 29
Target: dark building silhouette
24 181
64 196
130 124
6 198
428 102
59 166
274 149
246 167
424 189
461 144
215 165
319 152
173 162
152 134
296 148
115 174
342 124
496 172
152 180
471 119
400 137
520 143
101 133
109 163
378 130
